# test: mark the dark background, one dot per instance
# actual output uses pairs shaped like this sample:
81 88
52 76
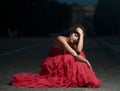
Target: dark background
43 17
107 17
37 17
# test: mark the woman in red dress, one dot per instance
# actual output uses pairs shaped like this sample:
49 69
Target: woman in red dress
65 65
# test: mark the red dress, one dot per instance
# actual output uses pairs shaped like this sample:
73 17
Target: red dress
58 69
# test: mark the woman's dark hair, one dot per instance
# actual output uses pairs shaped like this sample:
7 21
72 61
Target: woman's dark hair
73 30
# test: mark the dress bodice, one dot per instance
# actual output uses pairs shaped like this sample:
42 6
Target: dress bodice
56 51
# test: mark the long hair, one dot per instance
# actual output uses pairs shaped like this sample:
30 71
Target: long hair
73 30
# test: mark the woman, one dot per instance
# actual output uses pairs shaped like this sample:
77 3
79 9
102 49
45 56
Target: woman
65 65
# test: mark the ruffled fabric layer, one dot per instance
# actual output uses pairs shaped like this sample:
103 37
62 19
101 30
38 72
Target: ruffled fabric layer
59 69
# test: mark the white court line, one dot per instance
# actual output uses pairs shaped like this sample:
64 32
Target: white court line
18 50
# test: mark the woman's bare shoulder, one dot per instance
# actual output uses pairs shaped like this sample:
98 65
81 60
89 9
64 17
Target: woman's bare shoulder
60 38
57 42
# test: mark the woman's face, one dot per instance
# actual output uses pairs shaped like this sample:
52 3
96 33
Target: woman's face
73 38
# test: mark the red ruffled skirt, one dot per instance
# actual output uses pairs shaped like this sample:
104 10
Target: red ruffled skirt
58 69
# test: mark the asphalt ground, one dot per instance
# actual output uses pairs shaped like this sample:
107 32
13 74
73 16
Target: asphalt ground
25 55
112 42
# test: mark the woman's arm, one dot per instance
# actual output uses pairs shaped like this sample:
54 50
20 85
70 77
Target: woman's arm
68 48
79 46
79 57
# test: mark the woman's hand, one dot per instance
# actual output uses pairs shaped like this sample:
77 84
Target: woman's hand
90 66
80 31
82 59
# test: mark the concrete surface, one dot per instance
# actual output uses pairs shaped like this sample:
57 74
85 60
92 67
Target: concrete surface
26 54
